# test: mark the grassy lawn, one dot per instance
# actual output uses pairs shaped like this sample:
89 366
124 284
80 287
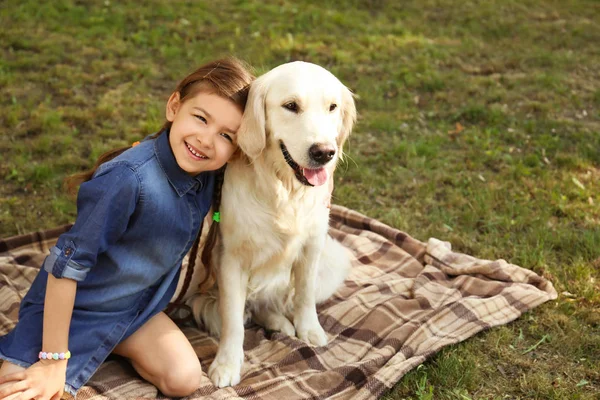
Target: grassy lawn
479 124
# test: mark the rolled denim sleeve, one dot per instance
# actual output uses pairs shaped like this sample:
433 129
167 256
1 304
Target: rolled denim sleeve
105 205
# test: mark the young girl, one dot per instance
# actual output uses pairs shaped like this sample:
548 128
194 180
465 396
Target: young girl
104 285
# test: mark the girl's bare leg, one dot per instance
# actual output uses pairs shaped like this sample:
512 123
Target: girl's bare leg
162 355
8 368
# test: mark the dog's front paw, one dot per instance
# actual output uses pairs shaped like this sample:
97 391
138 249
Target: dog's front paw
224 372
314 335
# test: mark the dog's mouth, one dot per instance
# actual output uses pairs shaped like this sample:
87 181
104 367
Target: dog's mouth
306 176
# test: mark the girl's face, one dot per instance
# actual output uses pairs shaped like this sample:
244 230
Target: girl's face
203 131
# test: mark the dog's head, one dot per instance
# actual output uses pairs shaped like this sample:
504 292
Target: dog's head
301 113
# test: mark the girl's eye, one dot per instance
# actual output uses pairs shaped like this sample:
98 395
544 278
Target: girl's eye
201 118
291 106
226 136
332 107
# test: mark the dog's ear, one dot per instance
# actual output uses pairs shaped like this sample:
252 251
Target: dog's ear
252 135
348 117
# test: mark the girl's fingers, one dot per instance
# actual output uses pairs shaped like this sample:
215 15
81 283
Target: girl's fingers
17 376
29 394
57 396
15 388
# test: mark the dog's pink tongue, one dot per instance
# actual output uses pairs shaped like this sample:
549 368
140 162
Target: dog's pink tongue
316 177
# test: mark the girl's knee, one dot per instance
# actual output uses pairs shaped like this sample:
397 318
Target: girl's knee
181 380
8 366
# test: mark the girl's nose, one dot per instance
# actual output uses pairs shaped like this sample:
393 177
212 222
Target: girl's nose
205 140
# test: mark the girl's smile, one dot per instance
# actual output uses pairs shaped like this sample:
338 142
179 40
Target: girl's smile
195 153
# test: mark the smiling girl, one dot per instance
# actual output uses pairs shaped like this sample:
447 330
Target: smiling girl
104 285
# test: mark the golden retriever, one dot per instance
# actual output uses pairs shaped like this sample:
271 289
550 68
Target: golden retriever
274 258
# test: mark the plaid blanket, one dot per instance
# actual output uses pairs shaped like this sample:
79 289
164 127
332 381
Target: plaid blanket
402 302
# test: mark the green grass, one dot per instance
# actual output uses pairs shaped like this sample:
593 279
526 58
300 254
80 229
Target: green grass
521 181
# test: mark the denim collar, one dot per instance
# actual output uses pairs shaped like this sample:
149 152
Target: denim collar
181 181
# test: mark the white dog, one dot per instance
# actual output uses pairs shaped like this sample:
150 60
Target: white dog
274 259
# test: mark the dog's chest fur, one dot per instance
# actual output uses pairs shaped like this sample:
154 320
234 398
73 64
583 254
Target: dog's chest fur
270 231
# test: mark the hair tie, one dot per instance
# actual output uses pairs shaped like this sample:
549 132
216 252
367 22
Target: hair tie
217 216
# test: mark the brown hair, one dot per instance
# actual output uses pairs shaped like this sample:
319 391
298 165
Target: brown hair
227 77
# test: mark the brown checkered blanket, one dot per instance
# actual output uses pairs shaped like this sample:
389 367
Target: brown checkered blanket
402 302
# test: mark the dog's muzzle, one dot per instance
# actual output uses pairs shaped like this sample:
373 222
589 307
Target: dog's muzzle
294 165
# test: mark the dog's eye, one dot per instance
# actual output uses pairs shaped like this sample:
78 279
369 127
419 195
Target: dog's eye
332 107
291 106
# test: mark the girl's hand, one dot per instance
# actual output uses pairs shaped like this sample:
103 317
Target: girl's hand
44 380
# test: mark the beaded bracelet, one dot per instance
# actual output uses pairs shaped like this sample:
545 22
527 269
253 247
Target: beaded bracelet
54 356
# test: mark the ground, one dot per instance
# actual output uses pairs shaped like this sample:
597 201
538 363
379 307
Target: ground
478 124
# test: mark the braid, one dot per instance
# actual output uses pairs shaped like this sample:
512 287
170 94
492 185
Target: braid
211 238
178 302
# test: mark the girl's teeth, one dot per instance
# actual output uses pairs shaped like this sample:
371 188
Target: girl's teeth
193 152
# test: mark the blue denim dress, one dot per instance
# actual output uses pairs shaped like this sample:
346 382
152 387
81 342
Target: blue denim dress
136 220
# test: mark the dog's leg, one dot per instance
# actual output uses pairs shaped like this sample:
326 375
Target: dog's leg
305 270
233 280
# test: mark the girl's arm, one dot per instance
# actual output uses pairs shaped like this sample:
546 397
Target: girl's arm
58 308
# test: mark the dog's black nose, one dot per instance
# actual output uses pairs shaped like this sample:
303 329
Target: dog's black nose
321 153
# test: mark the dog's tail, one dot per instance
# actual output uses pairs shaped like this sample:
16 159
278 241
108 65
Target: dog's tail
205 309
333 270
